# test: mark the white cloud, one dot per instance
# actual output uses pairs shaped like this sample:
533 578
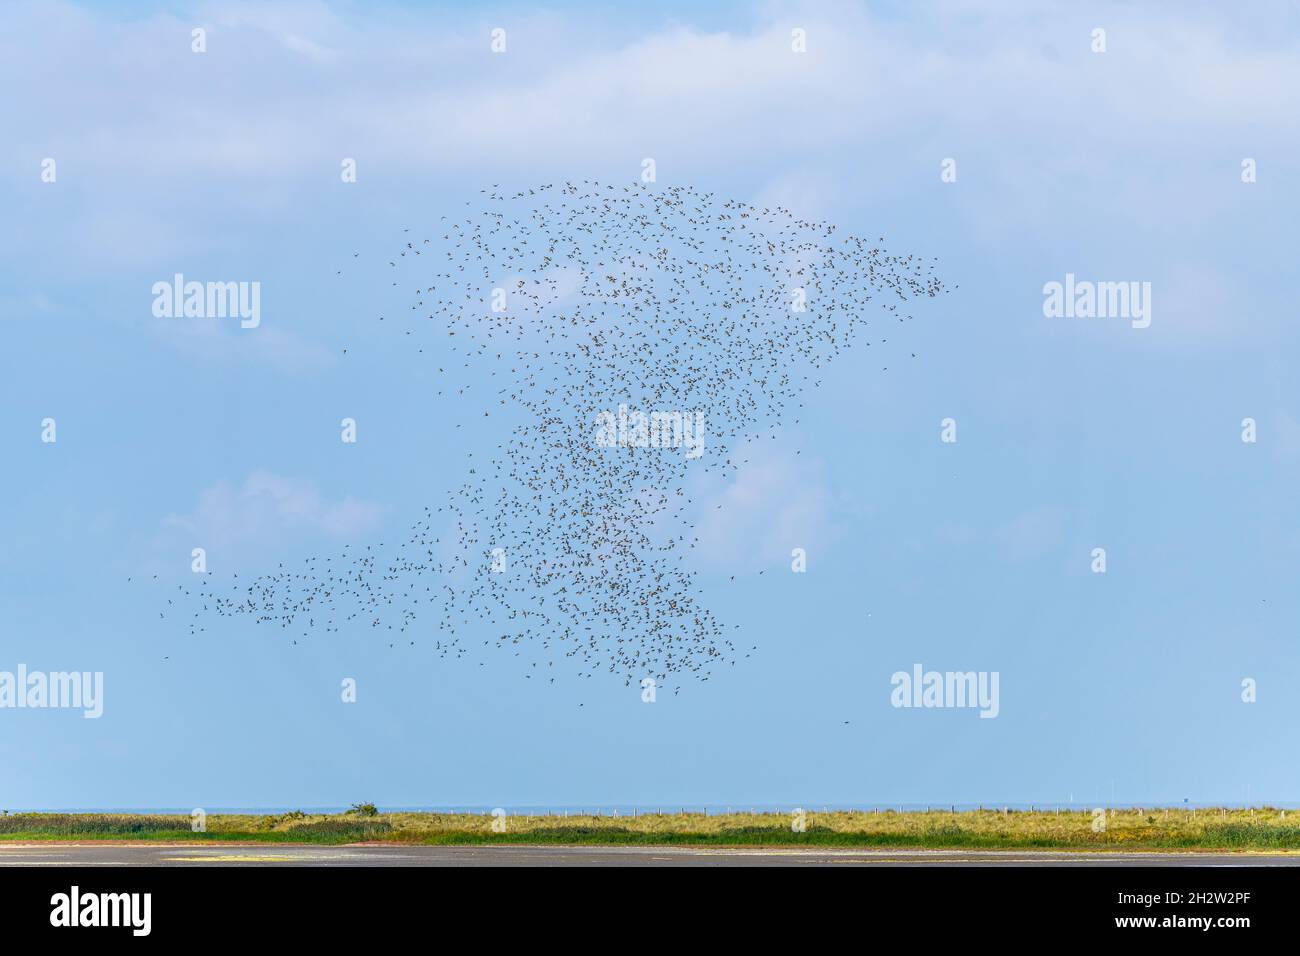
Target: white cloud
1073 148
265 507
775 503
222 340
1033 533
27 306
1009 74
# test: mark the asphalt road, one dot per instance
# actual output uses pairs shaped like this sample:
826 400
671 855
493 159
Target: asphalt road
136 854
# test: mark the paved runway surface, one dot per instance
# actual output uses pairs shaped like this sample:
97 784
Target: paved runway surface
136 854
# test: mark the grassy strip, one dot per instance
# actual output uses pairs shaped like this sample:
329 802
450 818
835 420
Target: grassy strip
185 836
291 828
1124 830
1214 838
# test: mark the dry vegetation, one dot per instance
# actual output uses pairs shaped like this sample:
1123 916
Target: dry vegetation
1155 829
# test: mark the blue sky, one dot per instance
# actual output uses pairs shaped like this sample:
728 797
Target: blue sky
1072 433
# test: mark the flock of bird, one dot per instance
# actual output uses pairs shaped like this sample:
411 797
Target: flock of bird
573 301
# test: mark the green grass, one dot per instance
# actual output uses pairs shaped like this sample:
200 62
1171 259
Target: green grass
1259 829
284 828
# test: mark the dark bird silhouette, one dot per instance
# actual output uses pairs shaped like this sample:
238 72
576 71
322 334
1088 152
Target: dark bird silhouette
633 338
